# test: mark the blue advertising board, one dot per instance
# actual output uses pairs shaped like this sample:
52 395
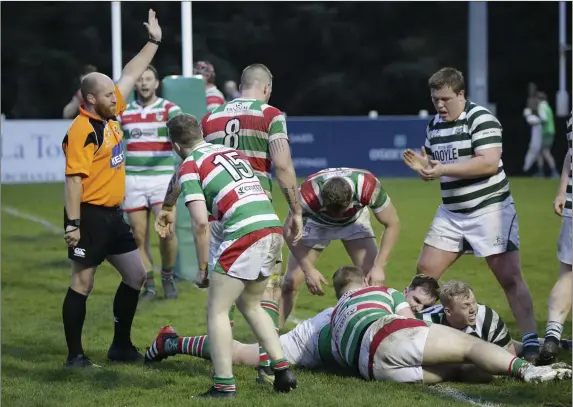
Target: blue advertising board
375 145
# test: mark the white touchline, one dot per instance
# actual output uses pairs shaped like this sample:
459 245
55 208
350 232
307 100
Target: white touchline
46 223
458 395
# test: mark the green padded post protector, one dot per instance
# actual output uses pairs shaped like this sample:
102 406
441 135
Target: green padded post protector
189 94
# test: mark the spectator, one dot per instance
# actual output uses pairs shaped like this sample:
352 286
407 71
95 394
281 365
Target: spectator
231 90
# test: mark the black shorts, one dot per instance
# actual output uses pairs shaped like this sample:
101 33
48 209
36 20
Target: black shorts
103 232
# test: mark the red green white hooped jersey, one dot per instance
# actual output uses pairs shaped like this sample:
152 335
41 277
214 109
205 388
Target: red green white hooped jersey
148 148
247 125
215 98
366 192
223 178
355 311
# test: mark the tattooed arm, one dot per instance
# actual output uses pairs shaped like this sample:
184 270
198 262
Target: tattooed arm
172 194
286 177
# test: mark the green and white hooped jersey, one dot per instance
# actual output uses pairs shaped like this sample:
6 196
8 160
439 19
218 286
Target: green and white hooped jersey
457 141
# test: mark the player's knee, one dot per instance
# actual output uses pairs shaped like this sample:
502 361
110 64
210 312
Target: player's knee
139 236
290 284
82 285
136 277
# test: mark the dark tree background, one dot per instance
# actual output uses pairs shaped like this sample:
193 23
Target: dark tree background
336 58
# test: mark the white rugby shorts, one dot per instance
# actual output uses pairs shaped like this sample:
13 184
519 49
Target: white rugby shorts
144 191
318 236
564 242
392 350
491 233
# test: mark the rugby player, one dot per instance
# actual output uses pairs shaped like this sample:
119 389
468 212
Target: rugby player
215 97
460 310
334 204
308 345
376 335
219 181
560 297
149 165
463 149
250 125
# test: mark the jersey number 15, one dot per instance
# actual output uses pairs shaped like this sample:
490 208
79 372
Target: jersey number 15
237 168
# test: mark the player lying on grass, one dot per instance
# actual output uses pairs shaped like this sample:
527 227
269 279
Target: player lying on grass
460 310
308 345
375 333
334 204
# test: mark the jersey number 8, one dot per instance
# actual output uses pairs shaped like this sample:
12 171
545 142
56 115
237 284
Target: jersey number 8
232 133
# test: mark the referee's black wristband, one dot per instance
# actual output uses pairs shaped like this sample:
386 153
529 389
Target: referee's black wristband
151 40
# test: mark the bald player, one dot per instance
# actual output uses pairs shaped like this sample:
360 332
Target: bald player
249 124
94 228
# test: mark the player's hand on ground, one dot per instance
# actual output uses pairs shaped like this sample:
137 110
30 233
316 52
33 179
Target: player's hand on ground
414 160
314 280
202 279
434 171
152 26
376 276
165 222
559 204
72 236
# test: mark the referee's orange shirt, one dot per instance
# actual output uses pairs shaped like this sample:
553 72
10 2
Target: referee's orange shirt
94 150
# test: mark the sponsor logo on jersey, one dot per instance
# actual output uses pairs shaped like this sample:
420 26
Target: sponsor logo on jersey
252 188
135 133
117 156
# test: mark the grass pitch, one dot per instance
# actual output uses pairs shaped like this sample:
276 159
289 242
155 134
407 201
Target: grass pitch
35 277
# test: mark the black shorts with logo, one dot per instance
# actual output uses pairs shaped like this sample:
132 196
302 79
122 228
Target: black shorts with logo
103 232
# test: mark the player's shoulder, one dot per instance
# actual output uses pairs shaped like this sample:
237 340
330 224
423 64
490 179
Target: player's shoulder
270 110
167 104
473 111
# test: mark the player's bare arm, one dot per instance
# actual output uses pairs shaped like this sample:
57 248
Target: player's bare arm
137 66
484 164
166 218
286 176
389 218
71 109
313 278
73 198
561 197
200 228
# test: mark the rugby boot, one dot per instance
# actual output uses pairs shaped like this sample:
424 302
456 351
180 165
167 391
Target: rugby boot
566 344
265 375
214 393
548 351
124 353
530 354
148 294
169 287
285 380
538 374
80 361
157 352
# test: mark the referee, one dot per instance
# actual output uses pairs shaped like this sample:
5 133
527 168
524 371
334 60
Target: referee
95 186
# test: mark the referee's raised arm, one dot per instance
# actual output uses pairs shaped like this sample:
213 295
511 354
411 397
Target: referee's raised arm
137 66
94 227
